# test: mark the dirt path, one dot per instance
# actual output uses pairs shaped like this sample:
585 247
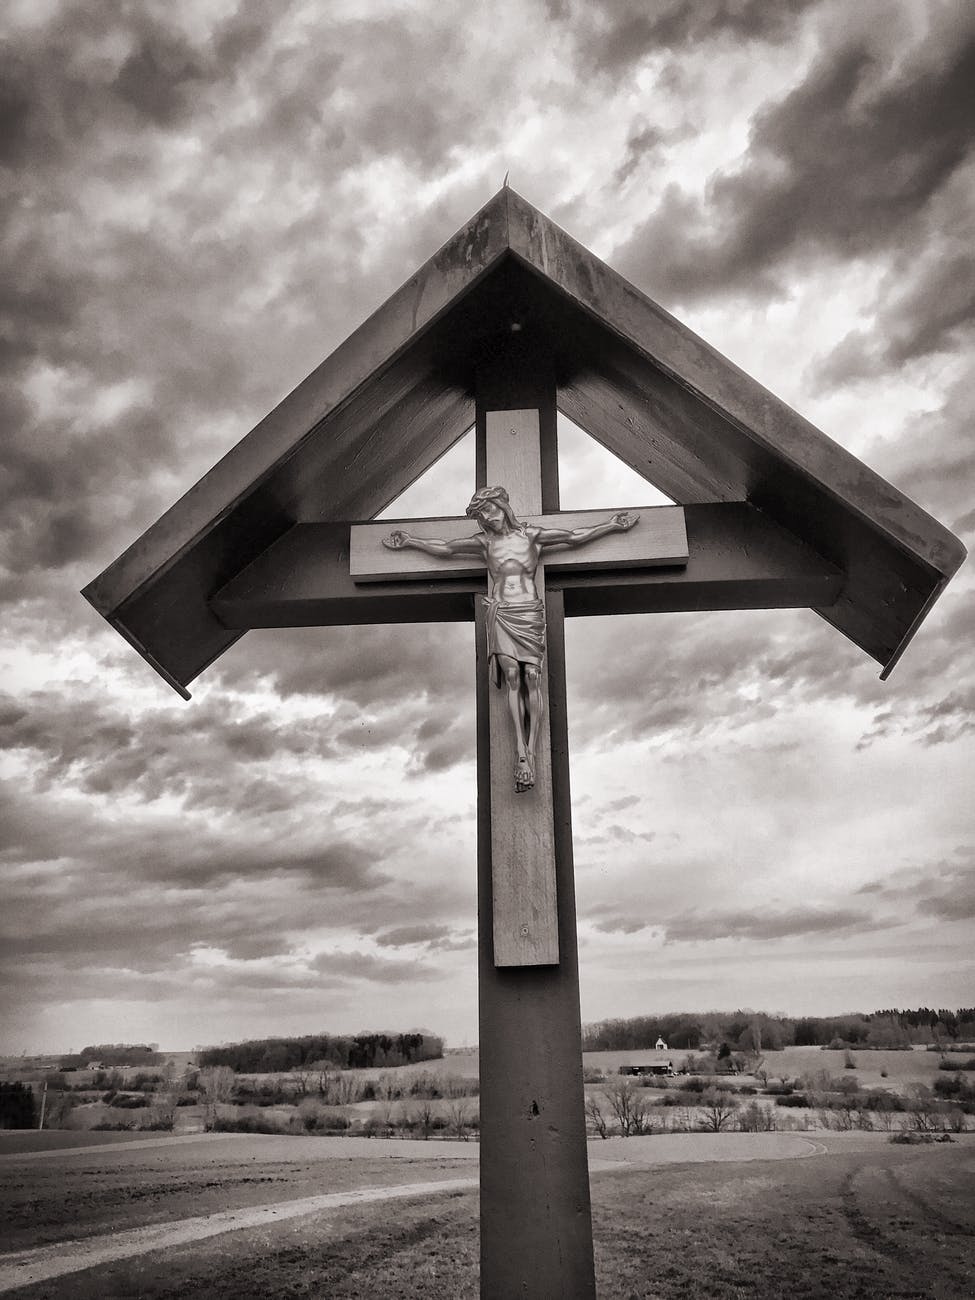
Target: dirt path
46 1262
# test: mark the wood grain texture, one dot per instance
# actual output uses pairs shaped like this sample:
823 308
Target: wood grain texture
514 458
526 927
660 538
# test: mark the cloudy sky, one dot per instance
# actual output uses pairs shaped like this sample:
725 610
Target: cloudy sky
200 204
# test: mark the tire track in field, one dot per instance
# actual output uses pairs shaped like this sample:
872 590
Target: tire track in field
42 1263
895 1222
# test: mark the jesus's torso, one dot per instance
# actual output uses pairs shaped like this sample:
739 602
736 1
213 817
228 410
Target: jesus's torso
512 559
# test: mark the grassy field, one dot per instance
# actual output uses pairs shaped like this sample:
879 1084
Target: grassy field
867 1219
284 1108
903 1068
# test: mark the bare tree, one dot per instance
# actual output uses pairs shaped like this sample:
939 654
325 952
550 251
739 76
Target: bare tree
717 1112
629 1105
922 1108
425 1116
595 1116
885 1107
459 1116
216 1084
756 1118
387 1086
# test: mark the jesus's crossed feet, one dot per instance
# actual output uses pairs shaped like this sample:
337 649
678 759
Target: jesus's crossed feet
524 774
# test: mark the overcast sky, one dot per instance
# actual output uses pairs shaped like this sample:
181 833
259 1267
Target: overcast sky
200 204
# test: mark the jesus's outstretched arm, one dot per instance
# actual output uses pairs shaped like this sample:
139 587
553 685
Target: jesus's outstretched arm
398 541
621 522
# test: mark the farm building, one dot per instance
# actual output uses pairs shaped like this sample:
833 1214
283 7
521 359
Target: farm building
656 1065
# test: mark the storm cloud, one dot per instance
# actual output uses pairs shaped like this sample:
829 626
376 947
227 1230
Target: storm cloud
202 204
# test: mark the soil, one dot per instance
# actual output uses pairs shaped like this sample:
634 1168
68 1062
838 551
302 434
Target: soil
859 1218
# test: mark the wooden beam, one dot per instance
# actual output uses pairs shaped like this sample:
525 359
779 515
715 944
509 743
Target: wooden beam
738 559
659 539
536 1233
526 928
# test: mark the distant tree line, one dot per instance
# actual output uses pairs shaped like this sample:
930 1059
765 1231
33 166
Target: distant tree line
115 1054
359 1051
760 1032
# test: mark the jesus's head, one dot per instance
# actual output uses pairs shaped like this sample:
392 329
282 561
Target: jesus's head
492 509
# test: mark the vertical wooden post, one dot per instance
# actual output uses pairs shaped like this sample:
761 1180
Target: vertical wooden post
526 926
536 1228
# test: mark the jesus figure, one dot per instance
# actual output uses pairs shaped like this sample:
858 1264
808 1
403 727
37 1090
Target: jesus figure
511 551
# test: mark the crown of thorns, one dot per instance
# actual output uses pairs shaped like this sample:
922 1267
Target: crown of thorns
485 495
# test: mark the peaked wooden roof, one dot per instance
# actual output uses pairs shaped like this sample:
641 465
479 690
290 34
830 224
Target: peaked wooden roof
399 391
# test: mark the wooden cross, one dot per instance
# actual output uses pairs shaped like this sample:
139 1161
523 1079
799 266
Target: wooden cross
511 311
525 929
536 1236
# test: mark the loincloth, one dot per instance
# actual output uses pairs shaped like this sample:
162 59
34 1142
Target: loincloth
517 631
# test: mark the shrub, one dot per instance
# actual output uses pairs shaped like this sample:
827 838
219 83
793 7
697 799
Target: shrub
693 1084
144 1081
247 1124
309 1114
591 1074
792 1099
265 1093
954 1088
881 1099
16 1106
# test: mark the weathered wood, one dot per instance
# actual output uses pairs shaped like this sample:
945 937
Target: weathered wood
392 398
536 1233
657 336
351 368
526 929
738 559
660 538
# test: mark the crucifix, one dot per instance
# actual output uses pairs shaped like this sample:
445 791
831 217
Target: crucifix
514 553
775 515
511 551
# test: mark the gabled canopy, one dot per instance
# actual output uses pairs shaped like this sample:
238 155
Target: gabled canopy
399 391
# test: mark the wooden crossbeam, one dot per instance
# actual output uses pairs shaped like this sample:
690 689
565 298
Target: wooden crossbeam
659 540
738 559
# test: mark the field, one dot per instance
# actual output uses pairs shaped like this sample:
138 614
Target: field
725 1215
837 1089
902 1068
